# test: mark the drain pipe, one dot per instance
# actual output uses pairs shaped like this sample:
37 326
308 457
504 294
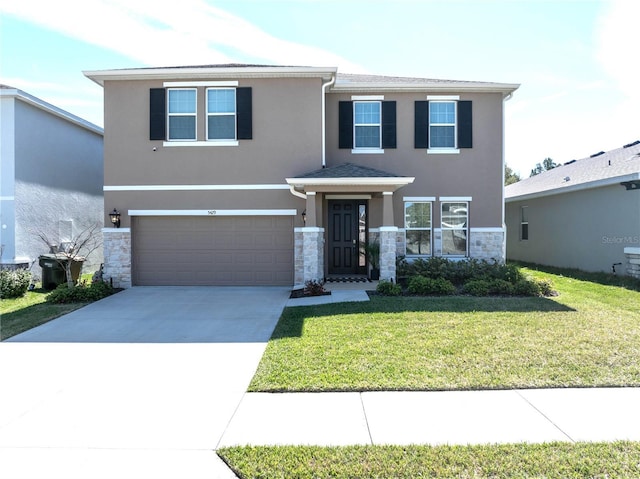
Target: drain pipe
324 118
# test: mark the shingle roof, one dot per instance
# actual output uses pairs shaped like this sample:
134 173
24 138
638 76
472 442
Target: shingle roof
348 170
599 169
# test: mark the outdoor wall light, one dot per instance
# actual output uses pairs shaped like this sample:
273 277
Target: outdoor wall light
115 218
304 217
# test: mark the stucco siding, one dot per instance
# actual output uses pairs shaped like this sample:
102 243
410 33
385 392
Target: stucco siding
58 181
475 172
587 229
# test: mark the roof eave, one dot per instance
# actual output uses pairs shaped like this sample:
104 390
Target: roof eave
615 180
504 88
194 73
354 181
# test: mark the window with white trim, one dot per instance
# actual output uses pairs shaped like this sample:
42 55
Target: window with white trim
418 231
454 221
442 124
524 223
367 124
221 114
181 117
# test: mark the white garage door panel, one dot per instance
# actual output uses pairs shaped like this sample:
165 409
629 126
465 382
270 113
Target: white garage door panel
246 250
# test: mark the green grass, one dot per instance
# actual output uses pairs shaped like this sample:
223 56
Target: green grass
21 314
554 460
589 335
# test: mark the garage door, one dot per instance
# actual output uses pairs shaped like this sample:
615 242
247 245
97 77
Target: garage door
226 250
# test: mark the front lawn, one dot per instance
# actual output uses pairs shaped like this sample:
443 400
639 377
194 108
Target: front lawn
589 335
31 310
556 460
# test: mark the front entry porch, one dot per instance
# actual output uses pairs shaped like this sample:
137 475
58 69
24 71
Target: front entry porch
347 207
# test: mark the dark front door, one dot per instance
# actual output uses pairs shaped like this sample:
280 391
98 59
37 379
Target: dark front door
347 231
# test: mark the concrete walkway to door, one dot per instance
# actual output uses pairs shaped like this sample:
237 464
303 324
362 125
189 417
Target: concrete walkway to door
141 384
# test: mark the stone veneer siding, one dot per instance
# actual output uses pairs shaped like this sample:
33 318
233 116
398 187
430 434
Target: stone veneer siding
633 261
117 256
308 255
388 252
488 245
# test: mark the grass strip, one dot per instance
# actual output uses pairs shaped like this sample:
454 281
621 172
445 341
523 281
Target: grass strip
552 460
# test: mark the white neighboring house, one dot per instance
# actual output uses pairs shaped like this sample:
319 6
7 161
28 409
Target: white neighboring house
51 177
584 214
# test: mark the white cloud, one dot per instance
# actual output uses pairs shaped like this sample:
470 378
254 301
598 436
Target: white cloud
163 33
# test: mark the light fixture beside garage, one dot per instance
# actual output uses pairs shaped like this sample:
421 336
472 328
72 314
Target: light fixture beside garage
115 218
304 217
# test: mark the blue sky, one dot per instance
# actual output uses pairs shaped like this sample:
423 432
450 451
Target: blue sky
576 60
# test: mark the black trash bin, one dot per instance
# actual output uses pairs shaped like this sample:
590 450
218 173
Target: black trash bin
54 270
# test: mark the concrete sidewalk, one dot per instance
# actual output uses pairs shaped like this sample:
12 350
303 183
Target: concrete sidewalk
458 417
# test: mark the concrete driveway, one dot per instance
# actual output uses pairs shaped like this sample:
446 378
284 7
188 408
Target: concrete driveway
139 385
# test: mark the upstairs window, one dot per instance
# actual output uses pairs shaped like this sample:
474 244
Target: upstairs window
367 126
182 114
221 114
442 124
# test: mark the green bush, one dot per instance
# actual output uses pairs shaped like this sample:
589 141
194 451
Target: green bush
501 286
477 287
423 286
14 284
82 293
527 287
387 288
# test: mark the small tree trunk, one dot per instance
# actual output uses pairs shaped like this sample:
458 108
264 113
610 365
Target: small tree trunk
70 282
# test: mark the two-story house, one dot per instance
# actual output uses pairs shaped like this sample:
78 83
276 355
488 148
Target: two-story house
273 175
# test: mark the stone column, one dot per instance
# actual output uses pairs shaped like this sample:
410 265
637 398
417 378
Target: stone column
309 255
633 261
388 236
117 256
388 239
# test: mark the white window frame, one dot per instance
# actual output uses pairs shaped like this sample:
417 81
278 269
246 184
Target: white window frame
209 114
524 220
407 228
367 149
194 115
444 228
443 99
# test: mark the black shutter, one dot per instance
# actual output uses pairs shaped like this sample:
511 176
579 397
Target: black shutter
345 124
157 114
389 124
465 135
421 124
244 113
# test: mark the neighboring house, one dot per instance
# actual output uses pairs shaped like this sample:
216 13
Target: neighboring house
51 177
584 214
247 175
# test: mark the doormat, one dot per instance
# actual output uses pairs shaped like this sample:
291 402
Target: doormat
357 279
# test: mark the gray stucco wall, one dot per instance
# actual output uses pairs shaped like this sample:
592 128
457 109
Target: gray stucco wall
587 229
58 181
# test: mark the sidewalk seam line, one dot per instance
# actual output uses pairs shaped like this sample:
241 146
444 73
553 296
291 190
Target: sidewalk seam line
545 416
366 419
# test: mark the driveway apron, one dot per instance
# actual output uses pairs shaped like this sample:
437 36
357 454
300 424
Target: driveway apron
141 384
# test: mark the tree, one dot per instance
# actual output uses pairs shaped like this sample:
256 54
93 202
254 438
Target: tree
510 176
77 249
547 164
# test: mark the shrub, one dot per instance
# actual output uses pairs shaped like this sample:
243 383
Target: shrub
387 288
81 293
546 287
477 287
14 284
527 287
439 286
500 286
314 288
